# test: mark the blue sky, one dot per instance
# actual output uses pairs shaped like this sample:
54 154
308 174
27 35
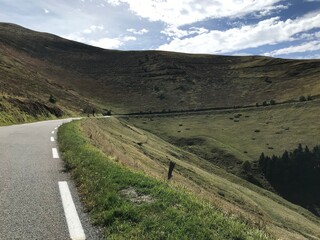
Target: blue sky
278 28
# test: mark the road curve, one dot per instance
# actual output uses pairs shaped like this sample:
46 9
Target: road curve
30 201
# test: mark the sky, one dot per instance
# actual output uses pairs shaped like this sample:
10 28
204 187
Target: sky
276 28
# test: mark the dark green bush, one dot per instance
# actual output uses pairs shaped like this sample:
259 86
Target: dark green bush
52 99
302 99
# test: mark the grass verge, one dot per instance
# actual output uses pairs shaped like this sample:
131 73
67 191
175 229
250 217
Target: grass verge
130 205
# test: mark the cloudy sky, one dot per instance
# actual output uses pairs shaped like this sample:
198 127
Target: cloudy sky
278 28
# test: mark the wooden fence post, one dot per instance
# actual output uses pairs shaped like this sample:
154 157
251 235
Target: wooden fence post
171 167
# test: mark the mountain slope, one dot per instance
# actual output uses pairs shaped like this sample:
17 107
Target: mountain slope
134 81
145 152
35 66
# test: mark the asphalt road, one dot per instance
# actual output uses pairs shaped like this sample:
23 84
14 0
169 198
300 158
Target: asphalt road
30 200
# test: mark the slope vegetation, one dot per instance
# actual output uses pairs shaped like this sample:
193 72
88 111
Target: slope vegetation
38 67
134 81
132 205
146 153
235 139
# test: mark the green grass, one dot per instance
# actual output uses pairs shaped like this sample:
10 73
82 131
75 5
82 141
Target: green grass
219 135
12 115
220 140
173 213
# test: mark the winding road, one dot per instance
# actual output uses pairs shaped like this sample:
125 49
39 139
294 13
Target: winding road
38 200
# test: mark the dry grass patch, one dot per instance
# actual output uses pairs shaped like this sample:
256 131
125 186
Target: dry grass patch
239 198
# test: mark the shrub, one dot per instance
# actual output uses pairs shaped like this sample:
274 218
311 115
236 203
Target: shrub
272 102
161 96
267 80
52 99
309 98
264 103
246 166
107 113
302 99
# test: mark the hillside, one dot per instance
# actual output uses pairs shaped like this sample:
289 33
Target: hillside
230 138
133 205
132 81
141 151
43 76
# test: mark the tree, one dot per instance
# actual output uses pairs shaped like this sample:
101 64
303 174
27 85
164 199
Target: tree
262 162
246 166
295 173
272 102
52 99
302 99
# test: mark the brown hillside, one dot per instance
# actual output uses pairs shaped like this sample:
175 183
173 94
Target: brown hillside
39 64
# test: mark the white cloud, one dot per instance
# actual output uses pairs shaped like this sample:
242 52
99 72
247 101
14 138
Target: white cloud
271 10
129 38
74 37
175 32
310 36
138 32
178 13
93 28
266 32
113 2
108 43
111 43
305 47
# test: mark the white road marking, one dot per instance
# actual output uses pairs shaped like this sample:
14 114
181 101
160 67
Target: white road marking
74 225
52 132
52 139
55 153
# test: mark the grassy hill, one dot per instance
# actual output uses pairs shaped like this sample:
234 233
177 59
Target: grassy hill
132 81
209 147
228 138
141 151
242 133
129 204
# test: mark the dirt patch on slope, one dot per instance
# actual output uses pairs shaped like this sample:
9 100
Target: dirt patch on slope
135 197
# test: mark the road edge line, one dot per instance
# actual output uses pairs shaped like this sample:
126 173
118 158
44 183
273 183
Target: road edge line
76 231
55 153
